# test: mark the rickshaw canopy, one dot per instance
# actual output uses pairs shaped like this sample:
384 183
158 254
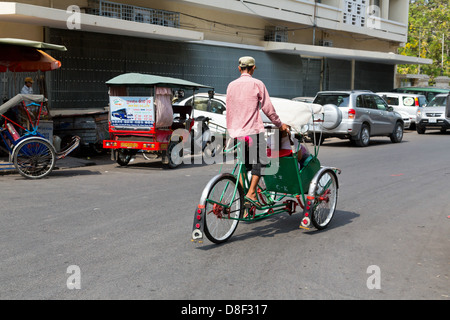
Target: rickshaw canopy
148 80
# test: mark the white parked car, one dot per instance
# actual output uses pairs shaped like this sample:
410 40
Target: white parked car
213 108
290 112
404 103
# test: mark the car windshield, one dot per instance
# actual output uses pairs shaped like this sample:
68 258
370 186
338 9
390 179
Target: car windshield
438 102
340 100
206 104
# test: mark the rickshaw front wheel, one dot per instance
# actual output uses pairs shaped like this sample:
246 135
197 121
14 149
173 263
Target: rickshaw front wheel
34 158
325 193
223 207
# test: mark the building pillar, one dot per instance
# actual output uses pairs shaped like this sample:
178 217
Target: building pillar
384 10
352 81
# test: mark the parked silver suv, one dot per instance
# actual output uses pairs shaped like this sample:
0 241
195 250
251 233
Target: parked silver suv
356 115
432 116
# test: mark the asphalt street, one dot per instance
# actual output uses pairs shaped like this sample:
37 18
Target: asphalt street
124 232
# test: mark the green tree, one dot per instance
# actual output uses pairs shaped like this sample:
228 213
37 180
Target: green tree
428 33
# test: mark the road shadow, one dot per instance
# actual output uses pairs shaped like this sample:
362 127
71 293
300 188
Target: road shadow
156 164
65 173
283 224
374 142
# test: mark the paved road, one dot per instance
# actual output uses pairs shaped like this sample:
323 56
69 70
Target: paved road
126 232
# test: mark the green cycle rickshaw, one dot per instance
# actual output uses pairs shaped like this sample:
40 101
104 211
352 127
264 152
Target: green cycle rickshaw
286 185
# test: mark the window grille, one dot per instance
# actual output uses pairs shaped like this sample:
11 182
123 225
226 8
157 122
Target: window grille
277 34
355 12
133 13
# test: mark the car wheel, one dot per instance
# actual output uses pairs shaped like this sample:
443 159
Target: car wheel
363 137
420 129
397 135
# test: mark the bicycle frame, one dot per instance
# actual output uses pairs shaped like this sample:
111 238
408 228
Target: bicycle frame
268 196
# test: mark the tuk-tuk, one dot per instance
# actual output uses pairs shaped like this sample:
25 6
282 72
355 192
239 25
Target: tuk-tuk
142 117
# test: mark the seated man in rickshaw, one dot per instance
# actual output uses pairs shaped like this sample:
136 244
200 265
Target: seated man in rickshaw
285 147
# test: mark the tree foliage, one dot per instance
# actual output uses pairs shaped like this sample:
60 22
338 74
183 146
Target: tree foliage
428 30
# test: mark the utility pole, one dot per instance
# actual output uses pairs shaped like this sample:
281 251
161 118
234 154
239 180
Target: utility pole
442 64
420 42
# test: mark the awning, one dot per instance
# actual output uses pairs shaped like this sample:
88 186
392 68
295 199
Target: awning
343 54
16 58
32 44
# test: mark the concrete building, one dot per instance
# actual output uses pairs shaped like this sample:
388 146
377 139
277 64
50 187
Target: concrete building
300 46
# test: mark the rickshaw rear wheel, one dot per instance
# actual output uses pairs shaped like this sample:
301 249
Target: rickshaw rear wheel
34 158
123 157
221 222
175 156
325 199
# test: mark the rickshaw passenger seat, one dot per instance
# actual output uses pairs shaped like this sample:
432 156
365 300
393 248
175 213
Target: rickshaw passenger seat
184 114
282 153
177 125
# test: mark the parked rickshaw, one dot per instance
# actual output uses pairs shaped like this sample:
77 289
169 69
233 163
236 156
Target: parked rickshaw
31 153
142 118
295 181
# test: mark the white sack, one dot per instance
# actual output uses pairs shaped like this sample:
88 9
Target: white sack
295 113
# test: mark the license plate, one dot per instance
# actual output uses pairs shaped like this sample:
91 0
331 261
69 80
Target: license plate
431 120
129 145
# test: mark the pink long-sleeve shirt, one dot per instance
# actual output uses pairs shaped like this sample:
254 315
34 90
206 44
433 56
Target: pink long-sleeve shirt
244 96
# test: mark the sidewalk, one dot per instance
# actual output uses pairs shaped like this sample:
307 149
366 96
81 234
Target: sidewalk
66 163
75 162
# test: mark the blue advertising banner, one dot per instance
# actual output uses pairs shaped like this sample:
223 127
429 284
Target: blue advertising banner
132 111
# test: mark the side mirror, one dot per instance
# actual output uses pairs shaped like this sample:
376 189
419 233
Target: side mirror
390 109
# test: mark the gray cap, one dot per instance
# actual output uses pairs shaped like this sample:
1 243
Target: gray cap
246 62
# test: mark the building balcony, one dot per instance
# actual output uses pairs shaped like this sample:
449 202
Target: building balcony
387 21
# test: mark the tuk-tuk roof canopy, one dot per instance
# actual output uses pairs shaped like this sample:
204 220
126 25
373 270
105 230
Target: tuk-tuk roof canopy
145 80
